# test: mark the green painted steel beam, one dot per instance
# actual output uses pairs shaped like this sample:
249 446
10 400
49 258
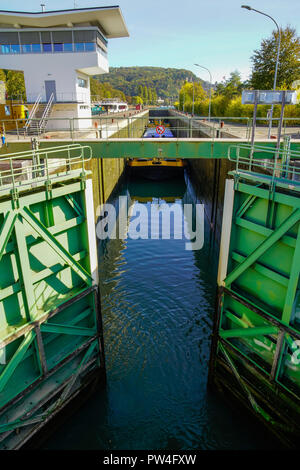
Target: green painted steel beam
263 247
73 203
264 270
265 231
6 231
165 148
67 330
280 197
16 359
55 245
293 283
238 321
248 332
26 199
245 206
25 271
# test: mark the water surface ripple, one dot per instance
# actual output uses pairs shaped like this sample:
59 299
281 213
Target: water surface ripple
157 306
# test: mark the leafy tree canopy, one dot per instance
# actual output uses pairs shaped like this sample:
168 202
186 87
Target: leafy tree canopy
264 61
15 85
231 87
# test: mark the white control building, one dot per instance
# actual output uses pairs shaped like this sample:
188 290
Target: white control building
58 51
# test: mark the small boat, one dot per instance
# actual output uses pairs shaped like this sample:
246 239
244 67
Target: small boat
152 133
156 168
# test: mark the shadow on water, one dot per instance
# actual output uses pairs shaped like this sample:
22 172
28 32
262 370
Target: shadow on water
157 306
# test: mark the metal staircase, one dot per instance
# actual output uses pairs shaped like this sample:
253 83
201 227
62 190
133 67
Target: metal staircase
38 117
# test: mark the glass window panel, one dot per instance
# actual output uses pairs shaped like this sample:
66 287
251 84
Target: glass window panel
15 48
58 47
62 36
36 48
26 48
82 82
68 47
84 36
5 48
79 47
90 46
31 37
47 47
9 38
46 36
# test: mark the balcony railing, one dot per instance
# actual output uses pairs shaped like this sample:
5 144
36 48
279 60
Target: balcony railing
49 48
64 97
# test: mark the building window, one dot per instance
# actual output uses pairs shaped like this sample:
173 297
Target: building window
36 48
5 49
58 47
15 48
68 47
82 82
79 47
47 47
84 107
26 48
90 46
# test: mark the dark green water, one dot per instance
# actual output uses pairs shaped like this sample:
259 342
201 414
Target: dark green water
157 306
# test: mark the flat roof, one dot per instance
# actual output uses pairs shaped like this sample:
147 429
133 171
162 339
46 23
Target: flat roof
109 19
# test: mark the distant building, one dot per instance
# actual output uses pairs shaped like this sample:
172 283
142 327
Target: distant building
58 51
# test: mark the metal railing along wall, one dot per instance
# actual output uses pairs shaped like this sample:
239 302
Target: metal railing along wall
42 166
108 125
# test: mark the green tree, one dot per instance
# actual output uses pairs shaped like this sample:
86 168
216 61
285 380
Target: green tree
15 85
145 94
264 61
141 91
137 100
231 87
154 96
2 76
188 90
104 90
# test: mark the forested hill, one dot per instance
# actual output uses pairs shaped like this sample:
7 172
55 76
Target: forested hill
165 81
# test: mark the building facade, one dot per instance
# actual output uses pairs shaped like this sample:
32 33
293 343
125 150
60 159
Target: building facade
58 51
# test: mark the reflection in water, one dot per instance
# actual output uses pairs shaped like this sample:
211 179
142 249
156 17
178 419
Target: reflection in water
157 306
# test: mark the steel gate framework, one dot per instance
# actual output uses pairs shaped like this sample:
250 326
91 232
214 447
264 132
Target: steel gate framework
50 324
257 329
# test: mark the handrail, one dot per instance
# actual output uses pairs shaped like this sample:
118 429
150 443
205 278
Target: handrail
42 165
46 110
33 111
280 165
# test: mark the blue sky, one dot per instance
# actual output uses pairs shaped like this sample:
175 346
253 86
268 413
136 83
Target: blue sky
218 34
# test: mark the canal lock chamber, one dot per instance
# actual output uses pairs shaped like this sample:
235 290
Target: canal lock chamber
158 301
158 309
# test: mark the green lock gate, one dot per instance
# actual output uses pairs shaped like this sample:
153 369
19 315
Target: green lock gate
51 344
255 348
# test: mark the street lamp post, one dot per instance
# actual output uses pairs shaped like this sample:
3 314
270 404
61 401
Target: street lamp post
209 106
193 98
277 58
